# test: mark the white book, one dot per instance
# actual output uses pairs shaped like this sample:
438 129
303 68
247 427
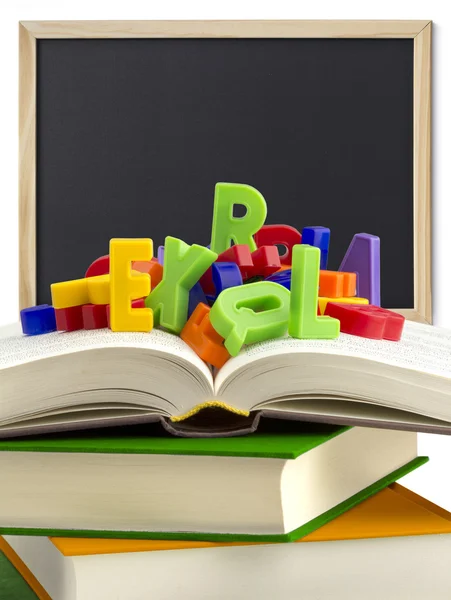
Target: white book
395 546
63 381
266 486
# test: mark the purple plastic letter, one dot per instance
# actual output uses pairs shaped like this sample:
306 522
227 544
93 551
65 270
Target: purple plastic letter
363 258
161 254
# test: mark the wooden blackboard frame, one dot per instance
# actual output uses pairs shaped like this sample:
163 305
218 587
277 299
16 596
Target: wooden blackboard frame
419 31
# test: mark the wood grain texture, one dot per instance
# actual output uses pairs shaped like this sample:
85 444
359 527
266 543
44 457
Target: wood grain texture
419 30
27 168
422 173
234 29
411 314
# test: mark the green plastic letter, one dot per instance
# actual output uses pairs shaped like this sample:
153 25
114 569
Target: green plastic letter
227 228
304 322
183 266
251 313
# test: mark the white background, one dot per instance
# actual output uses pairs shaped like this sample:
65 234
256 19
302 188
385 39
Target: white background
433 480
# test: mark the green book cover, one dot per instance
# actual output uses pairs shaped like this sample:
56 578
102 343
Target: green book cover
274 439
279 440
12 584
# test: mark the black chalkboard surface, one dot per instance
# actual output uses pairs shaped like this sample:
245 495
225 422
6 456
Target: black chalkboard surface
133 134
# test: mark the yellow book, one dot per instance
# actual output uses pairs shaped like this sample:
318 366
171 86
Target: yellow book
398 536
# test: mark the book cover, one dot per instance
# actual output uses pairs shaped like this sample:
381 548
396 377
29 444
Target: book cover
285 444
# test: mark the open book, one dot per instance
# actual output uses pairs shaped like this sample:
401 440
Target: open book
66 381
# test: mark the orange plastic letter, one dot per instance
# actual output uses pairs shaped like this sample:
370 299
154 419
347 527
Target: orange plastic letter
333 284
203 339
153 268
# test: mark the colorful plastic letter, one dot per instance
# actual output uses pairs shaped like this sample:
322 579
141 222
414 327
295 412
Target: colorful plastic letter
323 302
349 284
69 293
183 266
161 255
368 321
78 292
330 284
101 266
242 256
239 254
266 261
251 313
304 321
94 316
125 286
206 282
203 339
333 284
227 228
38 319
69 319
139 303
394 322
282 278
279 235
225 275
355 322
196 296
363 258
152 268
98 289
320 238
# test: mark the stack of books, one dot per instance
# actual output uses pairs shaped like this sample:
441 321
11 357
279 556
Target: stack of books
394 545
305 505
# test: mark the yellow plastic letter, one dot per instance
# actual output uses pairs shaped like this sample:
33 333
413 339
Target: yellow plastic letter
125 286
69 293
99 289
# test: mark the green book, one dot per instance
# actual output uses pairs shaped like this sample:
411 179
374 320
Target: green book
12 585
274 485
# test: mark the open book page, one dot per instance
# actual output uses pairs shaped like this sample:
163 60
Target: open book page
423 348
18 349
10 330
45 380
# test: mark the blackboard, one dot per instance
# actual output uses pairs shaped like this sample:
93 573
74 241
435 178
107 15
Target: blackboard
132 135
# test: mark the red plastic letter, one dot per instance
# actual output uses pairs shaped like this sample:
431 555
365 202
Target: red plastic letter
100 266
241 255
282 235
266 261
367 320
69 319
94 316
